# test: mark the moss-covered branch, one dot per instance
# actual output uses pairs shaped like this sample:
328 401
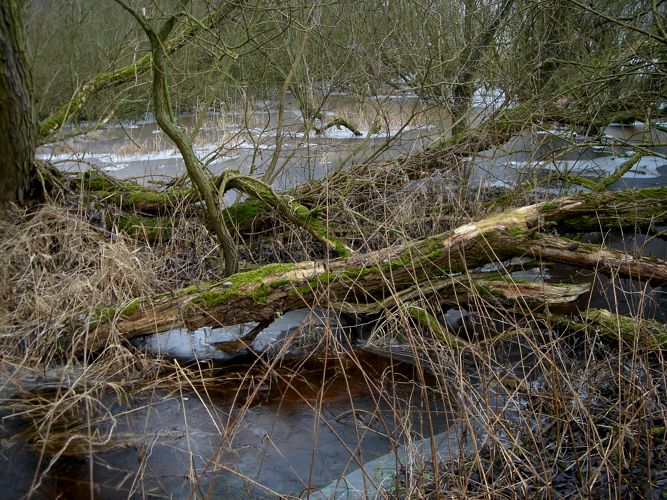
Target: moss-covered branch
639 332
198 173
368 278
290 209
468 289
129 195
148 229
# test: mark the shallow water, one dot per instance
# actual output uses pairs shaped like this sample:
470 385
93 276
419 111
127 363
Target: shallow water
539 153
295 434
244 138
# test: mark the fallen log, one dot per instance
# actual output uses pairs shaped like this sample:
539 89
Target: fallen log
460 290
267 292
555 249
130 196
338 123
644 333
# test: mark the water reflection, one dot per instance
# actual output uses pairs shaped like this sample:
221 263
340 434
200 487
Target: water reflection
250 433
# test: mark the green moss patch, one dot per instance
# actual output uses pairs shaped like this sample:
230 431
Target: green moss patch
153 229
248 284
245 211
131 308
105 314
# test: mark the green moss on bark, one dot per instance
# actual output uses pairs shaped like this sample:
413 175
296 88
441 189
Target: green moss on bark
153 229
245 211
249 284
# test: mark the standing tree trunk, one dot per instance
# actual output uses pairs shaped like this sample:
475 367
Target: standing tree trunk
18 130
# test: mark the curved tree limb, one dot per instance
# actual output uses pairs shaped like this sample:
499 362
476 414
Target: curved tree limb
200 175
291 210
210 190
339 122
114 78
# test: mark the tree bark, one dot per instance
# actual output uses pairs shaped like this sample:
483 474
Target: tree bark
17 119
267 292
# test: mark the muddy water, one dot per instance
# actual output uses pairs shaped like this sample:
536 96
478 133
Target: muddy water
242 436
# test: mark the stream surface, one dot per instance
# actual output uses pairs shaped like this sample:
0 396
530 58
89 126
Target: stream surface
244 138
305 426
288 434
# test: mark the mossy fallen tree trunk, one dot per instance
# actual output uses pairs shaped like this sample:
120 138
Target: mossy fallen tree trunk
644 333
554 249
634 332
130 196
144 210
467 289
267 292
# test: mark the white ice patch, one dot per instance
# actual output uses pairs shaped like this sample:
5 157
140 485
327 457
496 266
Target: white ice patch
391 97
562 132
344 133
126 125
73 156
112 158
496 183
250 145
488 98
114 168
199 344
114 162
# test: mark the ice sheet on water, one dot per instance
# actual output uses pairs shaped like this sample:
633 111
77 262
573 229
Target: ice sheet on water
116 161
112 158
200 344
390 97
646 167
114 168
344 133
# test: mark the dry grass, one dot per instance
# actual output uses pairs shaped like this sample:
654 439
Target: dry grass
56 268
57 271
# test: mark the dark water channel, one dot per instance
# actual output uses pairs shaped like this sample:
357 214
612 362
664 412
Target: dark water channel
241 436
